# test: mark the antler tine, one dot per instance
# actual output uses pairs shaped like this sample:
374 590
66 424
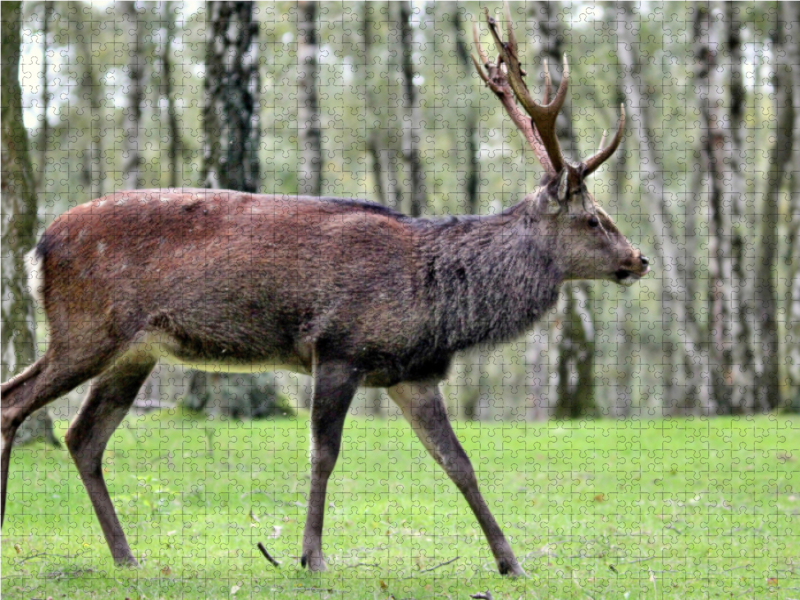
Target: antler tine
542 117
496 79
548 84
603 140
603 154
484 58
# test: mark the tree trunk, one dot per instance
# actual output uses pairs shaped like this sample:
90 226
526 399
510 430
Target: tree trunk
769 390
742 242
230 116
19 219
94 174
231 162
469 141
373 124
411 116
707 46
792 256
44 130
674 256
575 363
308 117
174 150
132 159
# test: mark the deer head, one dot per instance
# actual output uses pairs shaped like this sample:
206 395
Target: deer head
585 239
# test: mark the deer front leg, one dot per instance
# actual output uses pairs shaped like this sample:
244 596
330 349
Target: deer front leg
334 386
423 407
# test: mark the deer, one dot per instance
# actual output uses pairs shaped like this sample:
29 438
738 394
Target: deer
349 292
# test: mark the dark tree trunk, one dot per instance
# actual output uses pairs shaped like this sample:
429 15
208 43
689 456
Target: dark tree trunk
472 176
230 116
743 356
93 172
769 389
19 219
374 124
231 162
411 121
308 117
707 40
131 157
174 148
44 131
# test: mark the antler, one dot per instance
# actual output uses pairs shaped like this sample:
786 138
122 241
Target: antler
506 77
603 154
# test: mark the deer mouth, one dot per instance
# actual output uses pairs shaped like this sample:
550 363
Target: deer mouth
627 277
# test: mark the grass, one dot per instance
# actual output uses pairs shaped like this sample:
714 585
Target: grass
694 508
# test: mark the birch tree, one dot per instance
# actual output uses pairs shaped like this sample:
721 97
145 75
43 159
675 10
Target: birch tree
769 388
131 156
308 117
19 221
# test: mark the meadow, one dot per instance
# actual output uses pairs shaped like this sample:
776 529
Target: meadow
679 508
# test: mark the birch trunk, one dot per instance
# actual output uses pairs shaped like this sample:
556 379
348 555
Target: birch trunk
674 263
792 255
19 220
708 35
308 117
769 389
411 115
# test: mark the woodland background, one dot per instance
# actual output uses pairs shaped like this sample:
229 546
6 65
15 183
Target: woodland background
380 101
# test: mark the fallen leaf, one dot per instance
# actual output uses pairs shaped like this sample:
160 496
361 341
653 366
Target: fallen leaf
17 548
383 585
166 571
600 498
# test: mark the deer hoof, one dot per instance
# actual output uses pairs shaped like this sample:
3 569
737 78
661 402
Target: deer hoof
314 562
510 568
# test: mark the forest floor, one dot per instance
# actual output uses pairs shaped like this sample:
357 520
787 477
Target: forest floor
678 508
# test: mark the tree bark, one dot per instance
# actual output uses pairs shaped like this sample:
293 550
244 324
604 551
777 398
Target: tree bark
175 143
792 256
232 137
19 221
708 37
308 118
131 157
93 172
411 115
674 262
741 244
769 390
231 116
372 123
44 130
472 176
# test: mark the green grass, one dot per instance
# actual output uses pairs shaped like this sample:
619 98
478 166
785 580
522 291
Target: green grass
691 508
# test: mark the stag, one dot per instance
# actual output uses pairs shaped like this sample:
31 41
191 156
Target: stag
346 291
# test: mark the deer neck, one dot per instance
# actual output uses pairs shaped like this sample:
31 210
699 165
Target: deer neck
488 279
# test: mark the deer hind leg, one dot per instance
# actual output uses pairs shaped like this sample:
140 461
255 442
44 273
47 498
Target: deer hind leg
334 387
47 379
109 399
424 409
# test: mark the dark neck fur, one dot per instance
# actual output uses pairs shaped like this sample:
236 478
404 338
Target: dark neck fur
487 279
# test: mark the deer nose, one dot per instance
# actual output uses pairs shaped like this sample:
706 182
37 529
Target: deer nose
645 261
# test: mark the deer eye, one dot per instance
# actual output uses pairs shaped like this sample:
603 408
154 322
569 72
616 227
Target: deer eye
593 222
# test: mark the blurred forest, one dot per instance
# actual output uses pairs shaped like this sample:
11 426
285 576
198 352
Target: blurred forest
381 101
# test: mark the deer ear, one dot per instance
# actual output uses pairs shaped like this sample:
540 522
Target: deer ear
563 186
